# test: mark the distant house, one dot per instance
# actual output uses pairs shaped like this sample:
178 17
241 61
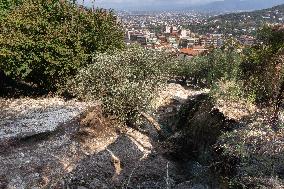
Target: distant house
187 53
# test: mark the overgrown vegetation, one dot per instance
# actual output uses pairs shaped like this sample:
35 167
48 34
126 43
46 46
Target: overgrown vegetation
259 151
125 82
257 144
247 85
255 73
45 42
208 69
262 68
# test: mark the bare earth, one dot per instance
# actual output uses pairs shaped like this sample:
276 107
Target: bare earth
50 143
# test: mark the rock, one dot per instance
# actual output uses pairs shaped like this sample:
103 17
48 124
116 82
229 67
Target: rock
38 144
26 117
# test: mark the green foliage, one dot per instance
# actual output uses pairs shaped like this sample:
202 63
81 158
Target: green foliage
257 70
6 6
210 68
125 82
255 142
262 69
44 42
230 90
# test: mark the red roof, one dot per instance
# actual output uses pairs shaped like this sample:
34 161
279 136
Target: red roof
189 51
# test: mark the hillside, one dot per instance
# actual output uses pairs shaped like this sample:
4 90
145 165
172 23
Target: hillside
240 23
273 13
238 5
79 109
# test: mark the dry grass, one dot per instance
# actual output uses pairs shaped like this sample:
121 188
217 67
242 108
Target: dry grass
258 146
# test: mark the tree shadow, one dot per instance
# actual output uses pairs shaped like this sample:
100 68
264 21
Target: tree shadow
11 88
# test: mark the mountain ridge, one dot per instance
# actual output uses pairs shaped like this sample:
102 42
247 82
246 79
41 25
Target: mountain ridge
205 6
238 5
240 23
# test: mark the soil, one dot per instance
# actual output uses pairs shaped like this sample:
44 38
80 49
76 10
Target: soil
50 143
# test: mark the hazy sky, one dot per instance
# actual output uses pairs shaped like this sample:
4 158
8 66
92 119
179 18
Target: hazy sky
144 3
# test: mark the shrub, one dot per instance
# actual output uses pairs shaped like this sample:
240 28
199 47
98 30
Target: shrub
259 151
262 70
44 42
125 82
230 90
6 6
210 68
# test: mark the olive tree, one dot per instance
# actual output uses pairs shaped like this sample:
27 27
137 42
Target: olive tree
125 82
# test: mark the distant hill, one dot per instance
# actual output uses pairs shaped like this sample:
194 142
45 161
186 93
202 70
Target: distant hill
238 5
199 5
271 14
240 23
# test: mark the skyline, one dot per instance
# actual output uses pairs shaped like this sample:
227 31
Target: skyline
150 5
145 4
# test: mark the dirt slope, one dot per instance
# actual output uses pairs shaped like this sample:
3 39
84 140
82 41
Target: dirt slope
49 143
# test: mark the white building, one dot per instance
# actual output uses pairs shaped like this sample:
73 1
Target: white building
168 29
